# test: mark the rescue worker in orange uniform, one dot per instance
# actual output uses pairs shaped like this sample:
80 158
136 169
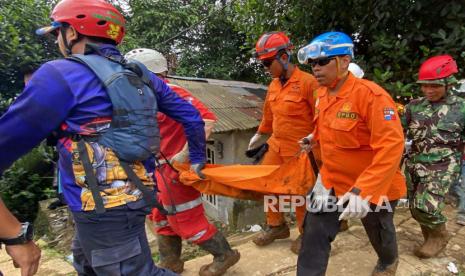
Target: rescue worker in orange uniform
361 141
188 221
287 116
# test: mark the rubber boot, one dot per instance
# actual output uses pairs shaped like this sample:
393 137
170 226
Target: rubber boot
385 270
272 233
223 256
436 241
169 248
296 245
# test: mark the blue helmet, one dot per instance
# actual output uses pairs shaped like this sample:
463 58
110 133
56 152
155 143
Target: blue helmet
327 45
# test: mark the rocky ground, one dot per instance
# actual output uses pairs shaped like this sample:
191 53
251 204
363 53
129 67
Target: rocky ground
351 254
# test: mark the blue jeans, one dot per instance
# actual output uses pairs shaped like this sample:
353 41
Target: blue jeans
458 189
114 243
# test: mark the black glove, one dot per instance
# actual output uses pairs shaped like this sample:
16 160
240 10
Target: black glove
197 168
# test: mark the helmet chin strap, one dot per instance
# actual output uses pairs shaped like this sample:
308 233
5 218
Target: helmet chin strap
283 77
339 75
68 46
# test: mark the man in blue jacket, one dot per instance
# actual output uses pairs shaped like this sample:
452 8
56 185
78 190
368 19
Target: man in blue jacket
67 97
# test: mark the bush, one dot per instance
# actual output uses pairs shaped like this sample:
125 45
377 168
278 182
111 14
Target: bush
27 182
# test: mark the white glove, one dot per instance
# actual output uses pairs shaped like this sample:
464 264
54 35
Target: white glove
357 207
306 143
408 145
319 197
254 141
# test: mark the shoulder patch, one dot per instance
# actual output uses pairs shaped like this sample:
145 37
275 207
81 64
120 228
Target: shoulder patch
389 114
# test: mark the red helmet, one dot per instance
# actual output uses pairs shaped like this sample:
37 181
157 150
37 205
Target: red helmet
269 44
437 68
89 17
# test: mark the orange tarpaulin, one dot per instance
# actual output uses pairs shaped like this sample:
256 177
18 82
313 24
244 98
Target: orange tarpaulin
252 181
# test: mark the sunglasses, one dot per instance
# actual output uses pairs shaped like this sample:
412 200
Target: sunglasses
267 62
320 61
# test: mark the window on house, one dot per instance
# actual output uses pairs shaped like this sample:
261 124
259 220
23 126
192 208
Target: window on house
211 199
210 152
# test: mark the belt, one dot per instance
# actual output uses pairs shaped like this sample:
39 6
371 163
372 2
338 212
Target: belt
184 206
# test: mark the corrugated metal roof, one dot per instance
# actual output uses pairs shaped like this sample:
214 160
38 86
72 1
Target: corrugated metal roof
230 119
235 107
229 83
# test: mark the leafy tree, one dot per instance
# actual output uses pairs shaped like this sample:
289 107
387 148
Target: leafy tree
392 38
20 45
197 36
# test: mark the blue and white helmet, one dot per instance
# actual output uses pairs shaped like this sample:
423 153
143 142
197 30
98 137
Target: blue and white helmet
327 45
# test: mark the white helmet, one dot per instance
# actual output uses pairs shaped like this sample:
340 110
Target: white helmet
152 59
356 70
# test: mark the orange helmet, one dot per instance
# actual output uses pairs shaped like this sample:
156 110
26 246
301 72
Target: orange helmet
269 44
89 17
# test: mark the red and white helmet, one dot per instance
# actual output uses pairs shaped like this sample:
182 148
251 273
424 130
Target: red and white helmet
96 18
269 44
437 70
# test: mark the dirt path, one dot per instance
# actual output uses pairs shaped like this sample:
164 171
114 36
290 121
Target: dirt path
351 254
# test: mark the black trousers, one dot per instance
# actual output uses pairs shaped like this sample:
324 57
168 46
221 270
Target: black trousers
320 229
114 243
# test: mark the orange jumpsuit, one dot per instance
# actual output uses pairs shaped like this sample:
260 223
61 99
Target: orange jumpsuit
361 140
287 115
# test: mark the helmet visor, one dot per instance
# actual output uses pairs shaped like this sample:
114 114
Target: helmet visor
48 29
311 51
318 50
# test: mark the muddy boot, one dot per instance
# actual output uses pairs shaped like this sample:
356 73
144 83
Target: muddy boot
425 233
223 256
169 248
272 233
385 270
344 226
436 241
296 245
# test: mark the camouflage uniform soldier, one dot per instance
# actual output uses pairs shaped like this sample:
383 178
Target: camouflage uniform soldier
458 189
435 124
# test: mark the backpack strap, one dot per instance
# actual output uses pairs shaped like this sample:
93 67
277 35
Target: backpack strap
141 71
91 178
149 196
99 65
